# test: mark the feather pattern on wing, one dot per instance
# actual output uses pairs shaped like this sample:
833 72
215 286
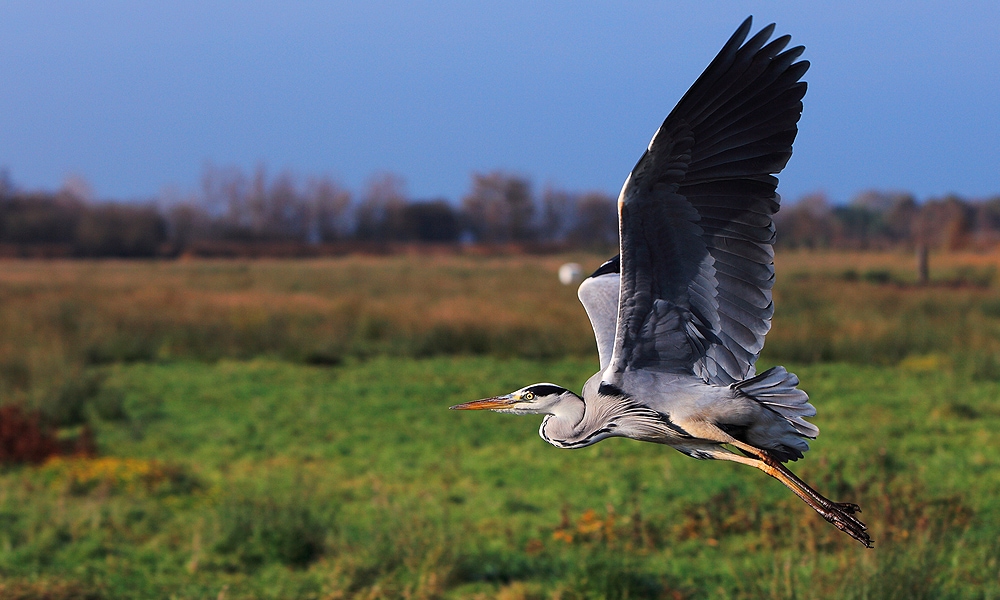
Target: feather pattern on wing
695 217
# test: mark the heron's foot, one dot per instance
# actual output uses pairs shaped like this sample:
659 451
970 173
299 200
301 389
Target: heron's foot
841 515
848 507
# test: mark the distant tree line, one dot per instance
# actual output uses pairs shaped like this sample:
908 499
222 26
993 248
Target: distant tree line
240 213
65 224
881 220
251 213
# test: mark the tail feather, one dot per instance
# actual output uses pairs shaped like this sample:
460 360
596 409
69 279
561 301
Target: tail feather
776 389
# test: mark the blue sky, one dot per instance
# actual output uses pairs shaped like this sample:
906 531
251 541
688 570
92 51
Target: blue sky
136 96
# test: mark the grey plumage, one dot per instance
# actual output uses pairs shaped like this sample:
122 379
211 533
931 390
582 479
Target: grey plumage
599 296
681 313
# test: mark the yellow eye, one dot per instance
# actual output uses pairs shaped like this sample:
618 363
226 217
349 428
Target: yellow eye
528 396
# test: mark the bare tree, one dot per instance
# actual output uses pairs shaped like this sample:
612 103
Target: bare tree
329 204
78 188
943 223
807 223
596 223
499 208
7 187
287 209
256 202
225 197
558 208
379 216
899 218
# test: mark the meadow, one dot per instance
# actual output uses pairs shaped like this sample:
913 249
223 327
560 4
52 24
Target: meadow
279 429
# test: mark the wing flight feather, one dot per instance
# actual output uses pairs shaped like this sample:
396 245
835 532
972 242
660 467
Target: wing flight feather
695 218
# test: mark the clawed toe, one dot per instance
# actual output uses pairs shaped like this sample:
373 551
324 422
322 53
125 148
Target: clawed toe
840 514
848 507
843 519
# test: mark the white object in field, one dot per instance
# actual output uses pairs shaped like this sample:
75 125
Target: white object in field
570 273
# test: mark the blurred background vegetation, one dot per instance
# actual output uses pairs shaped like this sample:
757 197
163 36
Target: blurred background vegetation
258 409
60 318
239 214
278 429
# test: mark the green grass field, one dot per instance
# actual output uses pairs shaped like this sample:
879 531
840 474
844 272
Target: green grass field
233 470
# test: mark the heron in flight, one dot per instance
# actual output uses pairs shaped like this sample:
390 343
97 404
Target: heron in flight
680 314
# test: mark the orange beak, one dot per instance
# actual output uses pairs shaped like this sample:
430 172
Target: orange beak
486 404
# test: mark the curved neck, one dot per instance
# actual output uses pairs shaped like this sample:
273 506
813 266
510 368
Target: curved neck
567 425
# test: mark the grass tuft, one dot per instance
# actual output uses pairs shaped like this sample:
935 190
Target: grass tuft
260 528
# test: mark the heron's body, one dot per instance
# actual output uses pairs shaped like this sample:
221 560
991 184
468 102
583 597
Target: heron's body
601 414
667 408
681 313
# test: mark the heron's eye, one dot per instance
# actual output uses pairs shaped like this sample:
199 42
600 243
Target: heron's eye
528 396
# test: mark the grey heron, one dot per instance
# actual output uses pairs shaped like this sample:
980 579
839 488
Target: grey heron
680 314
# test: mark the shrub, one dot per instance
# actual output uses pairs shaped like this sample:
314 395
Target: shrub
23 437
26 438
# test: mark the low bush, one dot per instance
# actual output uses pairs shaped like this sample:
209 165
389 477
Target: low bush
24 438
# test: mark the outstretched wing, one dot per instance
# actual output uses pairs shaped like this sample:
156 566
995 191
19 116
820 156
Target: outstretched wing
599 296
695 217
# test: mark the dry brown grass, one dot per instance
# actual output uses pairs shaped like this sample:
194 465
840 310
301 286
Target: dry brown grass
868 307
59 317
790 262
46 590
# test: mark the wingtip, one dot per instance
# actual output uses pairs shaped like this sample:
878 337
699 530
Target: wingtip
741 32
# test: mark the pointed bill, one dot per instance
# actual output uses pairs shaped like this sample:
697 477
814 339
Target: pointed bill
486 404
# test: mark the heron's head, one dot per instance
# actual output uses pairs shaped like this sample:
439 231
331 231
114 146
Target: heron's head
537 399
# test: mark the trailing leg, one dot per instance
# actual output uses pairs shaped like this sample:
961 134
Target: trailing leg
841 515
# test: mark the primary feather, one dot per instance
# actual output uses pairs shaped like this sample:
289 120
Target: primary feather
695 218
